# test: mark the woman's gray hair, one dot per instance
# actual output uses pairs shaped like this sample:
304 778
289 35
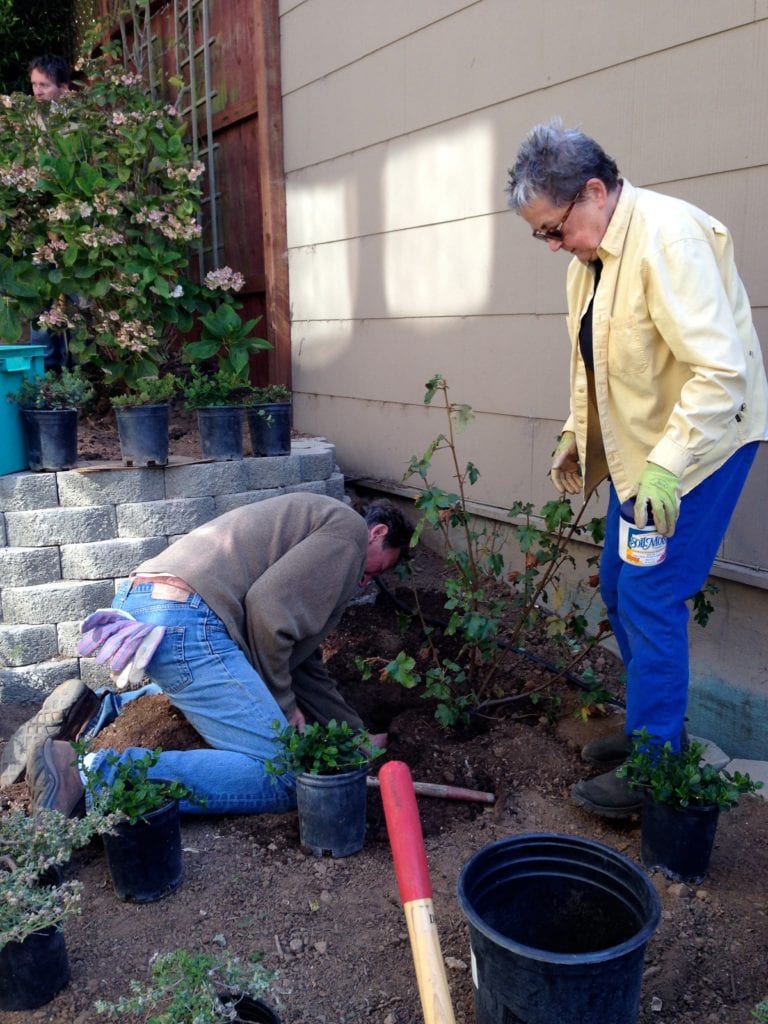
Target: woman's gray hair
554 163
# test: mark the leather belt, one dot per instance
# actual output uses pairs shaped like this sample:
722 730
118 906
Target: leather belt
169 581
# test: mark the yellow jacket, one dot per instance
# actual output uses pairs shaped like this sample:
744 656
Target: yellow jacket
679 377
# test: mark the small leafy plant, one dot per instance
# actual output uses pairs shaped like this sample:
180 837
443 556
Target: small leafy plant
191 988
270 393
31 848
760 1012
228 339
321 749
132 794
682 778
67 389
148 391
220 388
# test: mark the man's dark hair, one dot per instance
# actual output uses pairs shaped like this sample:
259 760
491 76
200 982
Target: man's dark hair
399 530
55 67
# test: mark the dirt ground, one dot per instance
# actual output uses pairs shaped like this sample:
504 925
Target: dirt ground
334 930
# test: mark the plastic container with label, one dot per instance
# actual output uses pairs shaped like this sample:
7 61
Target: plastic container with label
639 545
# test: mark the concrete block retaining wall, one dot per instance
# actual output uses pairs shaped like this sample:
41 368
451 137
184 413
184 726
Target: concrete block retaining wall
68 539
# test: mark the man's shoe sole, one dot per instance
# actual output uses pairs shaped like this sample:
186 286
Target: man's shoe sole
45 784
67 709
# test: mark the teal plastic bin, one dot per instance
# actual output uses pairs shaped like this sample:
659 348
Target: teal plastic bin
17 362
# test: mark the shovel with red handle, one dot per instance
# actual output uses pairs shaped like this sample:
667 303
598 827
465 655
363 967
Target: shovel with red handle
412 873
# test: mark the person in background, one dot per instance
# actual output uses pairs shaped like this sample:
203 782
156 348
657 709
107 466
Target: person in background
227 622
50 77
668 401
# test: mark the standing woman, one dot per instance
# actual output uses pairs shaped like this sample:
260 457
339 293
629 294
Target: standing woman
668 400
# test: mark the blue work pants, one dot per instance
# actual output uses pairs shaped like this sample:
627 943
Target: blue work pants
647 604
208 678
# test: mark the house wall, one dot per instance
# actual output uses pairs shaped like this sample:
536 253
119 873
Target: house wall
400 120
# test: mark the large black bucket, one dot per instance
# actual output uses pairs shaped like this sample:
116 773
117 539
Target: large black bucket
558 928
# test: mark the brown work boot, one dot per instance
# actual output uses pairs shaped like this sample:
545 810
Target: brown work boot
608 796
65 712
53 779
608 752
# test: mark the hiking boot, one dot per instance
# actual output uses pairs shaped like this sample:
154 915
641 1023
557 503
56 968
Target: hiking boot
608 752
53 779
65 712
614 749
608 796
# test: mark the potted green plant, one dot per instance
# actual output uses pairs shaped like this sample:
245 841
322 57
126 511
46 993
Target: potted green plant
269 420
197 988
34 902
330 766
218 399
143 420
143 850
50 406
683 797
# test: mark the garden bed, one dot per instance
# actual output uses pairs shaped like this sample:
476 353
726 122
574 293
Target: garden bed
334 931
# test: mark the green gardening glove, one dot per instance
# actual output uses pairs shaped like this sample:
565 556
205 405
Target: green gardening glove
658 488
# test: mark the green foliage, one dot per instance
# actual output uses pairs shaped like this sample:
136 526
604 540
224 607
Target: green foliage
760 1012
491 611
220 388
702 606
148 391
29 849
185 988
67 389
229 340
132 794
100 202
270 393
321 749
682 778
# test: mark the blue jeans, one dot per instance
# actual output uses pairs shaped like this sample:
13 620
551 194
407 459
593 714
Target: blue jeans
208 678
647 604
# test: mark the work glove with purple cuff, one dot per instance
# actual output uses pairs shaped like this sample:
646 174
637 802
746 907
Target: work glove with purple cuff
659 489
565 472
122 641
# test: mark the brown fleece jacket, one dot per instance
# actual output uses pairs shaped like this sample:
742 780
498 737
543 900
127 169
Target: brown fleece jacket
279 574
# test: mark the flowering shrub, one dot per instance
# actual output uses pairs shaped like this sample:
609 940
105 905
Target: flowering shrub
99 203
30 848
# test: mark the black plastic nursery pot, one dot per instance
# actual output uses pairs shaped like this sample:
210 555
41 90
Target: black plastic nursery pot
144 860
678 841
558 929
269 425
33 971
221 432
51 438
143 432
332 812
251 1011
